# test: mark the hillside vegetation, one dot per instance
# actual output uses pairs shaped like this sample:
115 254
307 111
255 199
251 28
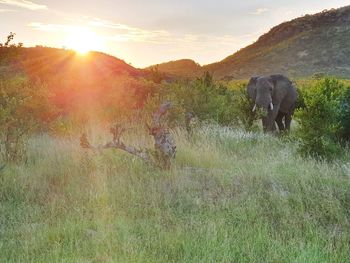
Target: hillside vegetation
77 84
45 62
301 47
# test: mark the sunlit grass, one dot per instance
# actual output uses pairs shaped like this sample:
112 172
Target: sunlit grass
230 196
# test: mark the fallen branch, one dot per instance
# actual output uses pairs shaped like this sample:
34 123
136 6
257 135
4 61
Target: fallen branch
164 144
114 145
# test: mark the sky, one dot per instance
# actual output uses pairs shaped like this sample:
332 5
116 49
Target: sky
149 32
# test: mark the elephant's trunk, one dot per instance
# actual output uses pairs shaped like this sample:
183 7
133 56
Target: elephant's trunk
270 105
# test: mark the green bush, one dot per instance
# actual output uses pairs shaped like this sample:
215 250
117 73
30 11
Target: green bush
344 115
203 97
300 103
243 106
210 101
24 108
176 113
325 119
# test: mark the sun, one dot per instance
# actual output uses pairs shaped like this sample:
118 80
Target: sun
82 41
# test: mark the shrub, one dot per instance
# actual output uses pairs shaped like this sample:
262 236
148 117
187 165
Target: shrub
176 113
344 116
24 108
209 101
324 120
300 103
243 106
206 99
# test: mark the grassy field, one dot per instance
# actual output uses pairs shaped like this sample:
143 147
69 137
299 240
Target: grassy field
231 196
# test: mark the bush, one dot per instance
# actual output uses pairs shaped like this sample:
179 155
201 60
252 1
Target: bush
243 106
210 101
344 116
300 103
24 108
176 114
204 98
325 119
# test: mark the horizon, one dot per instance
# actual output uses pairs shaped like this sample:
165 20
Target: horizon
156 33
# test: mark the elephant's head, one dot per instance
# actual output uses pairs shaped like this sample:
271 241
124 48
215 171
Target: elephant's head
260 89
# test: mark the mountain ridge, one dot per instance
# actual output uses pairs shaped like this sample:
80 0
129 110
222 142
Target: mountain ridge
300 47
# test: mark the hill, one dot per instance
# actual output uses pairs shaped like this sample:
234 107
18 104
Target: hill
44 62
182 67
304 46
301 47
77 81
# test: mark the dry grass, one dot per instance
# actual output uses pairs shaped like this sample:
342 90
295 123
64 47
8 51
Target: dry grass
230 196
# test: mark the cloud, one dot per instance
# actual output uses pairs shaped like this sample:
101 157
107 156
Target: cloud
125 33
51 27
4 10
24 4
259 11
110 31
117 38
117 32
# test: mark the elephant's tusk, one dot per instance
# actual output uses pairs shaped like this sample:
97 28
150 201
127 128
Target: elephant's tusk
254 108
271 106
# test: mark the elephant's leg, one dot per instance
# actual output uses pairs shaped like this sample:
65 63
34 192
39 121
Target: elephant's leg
279 121
288 120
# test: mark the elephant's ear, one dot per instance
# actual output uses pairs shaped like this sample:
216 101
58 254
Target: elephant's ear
279 80
251 87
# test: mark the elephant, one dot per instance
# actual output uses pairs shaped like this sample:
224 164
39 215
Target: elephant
277 96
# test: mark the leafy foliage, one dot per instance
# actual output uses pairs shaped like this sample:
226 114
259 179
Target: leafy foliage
325 119
202 97
344 115
243 106
24 108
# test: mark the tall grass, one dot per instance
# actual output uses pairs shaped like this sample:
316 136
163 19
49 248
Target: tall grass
230 196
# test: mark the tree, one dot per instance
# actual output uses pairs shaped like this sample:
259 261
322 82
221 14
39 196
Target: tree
9 51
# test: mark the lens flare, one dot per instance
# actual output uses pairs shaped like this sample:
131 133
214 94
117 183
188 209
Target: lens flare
82 41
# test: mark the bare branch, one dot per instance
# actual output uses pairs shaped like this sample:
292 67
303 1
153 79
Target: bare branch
164 144
84 143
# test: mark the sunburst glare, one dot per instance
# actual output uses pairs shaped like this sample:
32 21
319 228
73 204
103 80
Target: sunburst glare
83 40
